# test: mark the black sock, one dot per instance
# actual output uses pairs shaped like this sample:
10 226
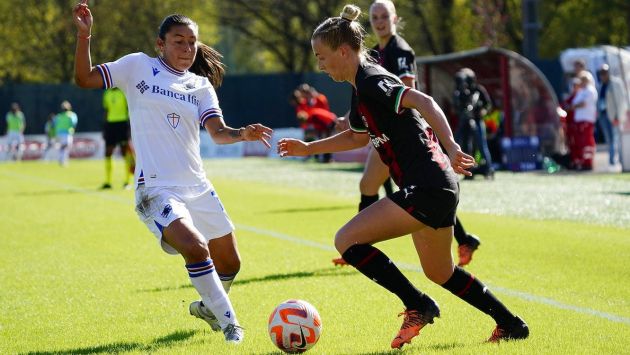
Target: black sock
387 185
367 200
470 289
460 232
372 263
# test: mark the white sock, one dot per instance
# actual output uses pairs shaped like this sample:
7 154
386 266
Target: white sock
206 281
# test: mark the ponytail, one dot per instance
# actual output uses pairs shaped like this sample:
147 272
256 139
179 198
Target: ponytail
208 63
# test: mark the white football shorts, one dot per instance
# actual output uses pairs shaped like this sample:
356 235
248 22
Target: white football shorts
158 206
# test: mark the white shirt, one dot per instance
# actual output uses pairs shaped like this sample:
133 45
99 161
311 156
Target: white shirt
588 112
167 107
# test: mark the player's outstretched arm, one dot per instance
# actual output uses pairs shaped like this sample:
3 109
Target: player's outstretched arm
345 140
431 112
84 74
222 134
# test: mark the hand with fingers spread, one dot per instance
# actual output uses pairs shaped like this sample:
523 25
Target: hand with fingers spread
460 161
257 132
289 147
82 17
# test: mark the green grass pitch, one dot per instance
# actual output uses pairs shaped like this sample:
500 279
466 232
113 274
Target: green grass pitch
80 274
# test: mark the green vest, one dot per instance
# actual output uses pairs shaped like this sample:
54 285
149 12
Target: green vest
15 121
65 122
115 104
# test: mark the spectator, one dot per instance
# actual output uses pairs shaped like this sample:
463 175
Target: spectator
64 124
472 102
585 115
579 68
16 123
612 106
570 126
313 98
318 123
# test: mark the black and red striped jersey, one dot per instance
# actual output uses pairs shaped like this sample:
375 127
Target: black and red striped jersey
403 139
396 57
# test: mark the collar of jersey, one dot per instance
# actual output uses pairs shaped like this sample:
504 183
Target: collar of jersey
169 68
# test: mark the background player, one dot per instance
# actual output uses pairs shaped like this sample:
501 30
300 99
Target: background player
170 97
16 124
116 133
394 54
64 123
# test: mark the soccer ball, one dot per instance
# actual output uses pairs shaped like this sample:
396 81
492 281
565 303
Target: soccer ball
294 326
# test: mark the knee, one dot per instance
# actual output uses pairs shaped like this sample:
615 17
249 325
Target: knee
231 265
439 275
195 250
342 241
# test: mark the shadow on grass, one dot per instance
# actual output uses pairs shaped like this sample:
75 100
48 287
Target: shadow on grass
273 277
117 348
298 275
621 193
447 347
313 209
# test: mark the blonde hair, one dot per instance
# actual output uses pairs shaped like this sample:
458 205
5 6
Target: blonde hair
335 31
391 8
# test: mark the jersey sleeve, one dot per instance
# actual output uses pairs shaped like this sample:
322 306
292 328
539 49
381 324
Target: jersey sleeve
385 91
116 74
354 118
209 105
405 66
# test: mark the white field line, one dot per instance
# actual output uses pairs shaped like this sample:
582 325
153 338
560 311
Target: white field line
277 235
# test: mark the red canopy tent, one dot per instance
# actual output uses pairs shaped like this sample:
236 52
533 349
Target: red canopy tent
515 84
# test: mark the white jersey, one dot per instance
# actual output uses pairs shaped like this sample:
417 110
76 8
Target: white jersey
167 107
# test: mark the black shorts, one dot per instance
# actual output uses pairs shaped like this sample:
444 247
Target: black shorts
435 207
116 132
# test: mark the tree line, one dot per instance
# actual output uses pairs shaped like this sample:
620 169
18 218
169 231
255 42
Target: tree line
274 35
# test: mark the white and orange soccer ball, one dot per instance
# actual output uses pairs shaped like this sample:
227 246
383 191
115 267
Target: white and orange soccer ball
294 326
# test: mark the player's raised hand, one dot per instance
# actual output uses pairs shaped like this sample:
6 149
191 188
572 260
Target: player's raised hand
257 132
292 147
82 18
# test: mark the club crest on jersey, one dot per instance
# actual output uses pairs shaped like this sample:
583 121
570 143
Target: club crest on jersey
142 86
173 119
190 86
155 71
